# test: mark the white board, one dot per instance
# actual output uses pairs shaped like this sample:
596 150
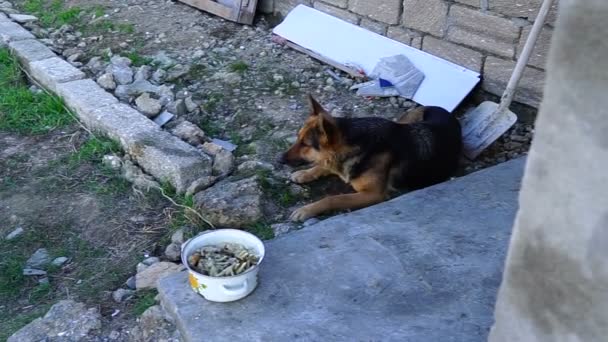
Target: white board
445 85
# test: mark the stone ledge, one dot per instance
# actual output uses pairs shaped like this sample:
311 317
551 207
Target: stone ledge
51 72
10 31
30 50
496 74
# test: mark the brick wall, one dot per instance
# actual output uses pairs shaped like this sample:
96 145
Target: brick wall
483 35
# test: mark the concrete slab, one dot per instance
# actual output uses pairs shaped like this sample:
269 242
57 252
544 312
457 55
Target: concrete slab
53 71
10 31
30 50
423 267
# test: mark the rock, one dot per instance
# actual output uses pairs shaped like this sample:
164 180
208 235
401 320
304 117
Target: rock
143 73
39 259
147 105
6 5
35 90
223 163
191 106
155 325
124 92
178 236
33 272
65 321
15 233
149 261
120 68
96 65
136 176
131 283
173 252
232 204
59 261
200 185
211 148
23 18
121 295
254 165
112 162
165 94
159 76
147 278
161 59
73 58
189 132
227 77
283 228
177 71
177 107
114 335
106 81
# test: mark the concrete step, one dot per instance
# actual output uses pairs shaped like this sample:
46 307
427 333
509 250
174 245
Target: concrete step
425 266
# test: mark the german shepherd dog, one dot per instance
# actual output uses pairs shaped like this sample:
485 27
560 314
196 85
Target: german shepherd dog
374 155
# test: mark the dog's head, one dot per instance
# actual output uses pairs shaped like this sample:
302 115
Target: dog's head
317 139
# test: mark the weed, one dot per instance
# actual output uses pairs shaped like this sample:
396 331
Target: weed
93 150
239 67
212 101
22 111
276 190
11 276
40 292
210 127
54 14
137 59
262 230
143 301
125 28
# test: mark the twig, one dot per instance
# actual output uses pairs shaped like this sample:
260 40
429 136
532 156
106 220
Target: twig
185 207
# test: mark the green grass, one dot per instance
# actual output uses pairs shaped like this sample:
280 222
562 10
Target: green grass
125 28
93 150
143 301
137 59
22 111
278 191
239 67
262 230
53 13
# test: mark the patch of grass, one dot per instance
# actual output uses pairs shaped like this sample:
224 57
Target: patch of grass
11 276
98 11
11 323
127 28
210 127
278 191
212 102
143 301
22 111
137 59
93 150
239 67
262 230
53 14
40 292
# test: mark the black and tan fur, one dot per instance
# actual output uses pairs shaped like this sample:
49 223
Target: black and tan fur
374 155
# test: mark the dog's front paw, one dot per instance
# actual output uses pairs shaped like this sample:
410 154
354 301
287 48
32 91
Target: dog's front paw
300 177
302 214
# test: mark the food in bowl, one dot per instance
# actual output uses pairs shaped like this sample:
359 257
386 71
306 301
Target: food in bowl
227 260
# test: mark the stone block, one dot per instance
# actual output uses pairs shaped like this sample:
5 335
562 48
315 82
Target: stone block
337 3
338 13
159 153
402 35
417 43
373 26
30 50
284 6
53 71
425 15
10 31
454 53
483 31
541 47
386 11
84 96
527 9
496 74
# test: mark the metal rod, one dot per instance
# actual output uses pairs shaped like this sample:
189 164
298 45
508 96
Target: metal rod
507 96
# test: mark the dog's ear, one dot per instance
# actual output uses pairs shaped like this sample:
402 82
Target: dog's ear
329 128
315 107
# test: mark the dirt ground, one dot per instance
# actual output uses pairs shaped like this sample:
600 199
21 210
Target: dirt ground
247 88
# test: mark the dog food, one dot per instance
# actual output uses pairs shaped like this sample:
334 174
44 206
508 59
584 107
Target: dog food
227 260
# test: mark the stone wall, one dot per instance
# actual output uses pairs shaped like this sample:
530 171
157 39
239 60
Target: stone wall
483 35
